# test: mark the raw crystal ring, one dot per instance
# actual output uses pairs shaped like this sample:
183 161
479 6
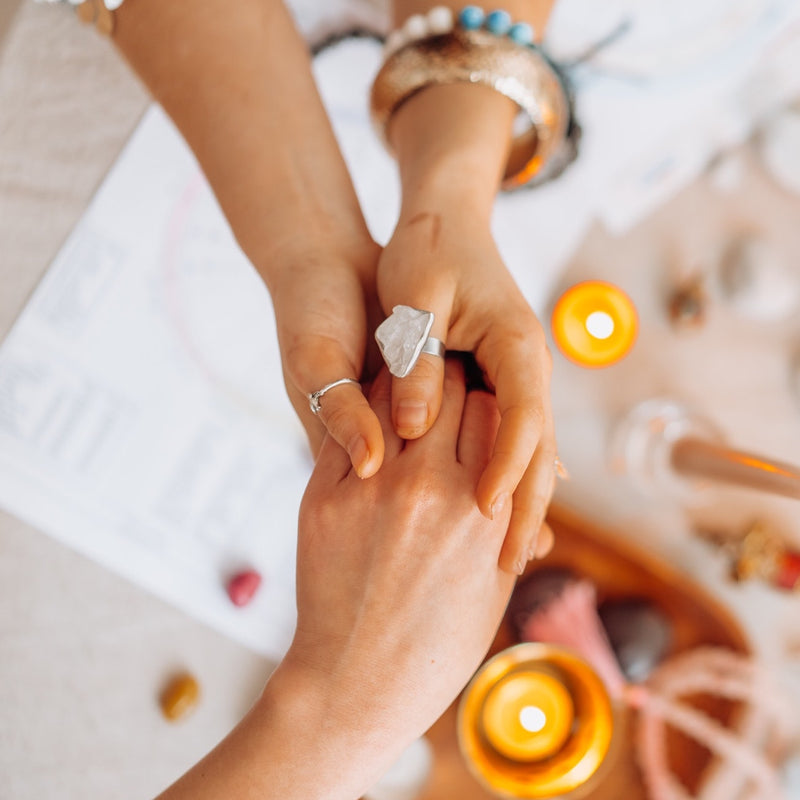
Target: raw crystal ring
315 397
403 337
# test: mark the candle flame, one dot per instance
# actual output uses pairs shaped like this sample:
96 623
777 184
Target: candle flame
532 718
600 324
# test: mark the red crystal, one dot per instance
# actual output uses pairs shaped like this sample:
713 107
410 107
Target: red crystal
243 586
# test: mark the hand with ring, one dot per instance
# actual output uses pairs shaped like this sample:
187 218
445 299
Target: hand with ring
451 143
325 310
477 307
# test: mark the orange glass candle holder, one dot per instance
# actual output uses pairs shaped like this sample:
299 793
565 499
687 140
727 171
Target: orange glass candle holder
594 324
535 722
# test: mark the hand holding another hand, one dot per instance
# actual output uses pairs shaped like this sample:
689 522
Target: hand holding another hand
399 593
399 596
445 264
325 310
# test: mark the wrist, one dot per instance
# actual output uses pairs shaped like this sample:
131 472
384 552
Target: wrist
324 726
452 142
317 246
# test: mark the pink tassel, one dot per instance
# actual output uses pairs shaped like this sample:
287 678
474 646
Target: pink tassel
571 620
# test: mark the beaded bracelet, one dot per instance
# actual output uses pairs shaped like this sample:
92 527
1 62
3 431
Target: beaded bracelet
441 20
490 49
99 13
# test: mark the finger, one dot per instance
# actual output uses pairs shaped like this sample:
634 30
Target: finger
333 464
479 425
521 380
343 410
315 430
442 439
349 420
417 398
380 398
529 507
544 541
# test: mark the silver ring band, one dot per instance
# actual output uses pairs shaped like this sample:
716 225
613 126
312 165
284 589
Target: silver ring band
433 347
315 397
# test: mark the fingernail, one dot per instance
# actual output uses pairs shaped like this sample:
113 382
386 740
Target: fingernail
411 416
519 567
500 502
560 470
359 454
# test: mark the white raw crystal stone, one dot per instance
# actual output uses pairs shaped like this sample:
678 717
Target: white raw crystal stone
401 337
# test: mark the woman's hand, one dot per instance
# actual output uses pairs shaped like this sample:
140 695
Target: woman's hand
449 264
452 142
399 594
325 309
240 89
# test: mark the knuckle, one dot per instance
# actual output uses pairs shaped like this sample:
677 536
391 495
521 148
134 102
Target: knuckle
337 418
426 370
529 510
531 416
311 362
421 484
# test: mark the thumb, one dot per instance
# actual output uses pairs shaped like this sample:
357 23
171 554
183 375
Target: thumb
417 397
342 409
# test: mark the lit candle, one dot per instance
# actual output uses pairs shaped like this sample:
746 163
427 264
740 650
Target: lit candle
527 716
535 722
594 324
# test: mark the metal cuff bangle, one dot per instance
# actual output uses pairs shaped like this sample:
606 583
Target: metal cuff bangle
523 74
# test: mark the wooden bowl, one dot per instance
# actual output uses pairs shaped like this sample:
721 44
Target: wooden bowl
619 570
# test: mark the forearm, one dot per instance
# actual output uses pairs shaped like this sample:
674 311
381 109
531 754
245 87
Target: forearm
300 741
452 140
236 79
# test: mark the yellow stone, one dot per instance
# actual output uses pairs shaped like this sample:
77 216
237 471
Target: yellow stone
180 697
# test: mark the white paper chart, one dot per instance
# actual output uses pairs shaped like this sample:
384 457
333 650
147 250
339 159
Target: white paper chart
142 418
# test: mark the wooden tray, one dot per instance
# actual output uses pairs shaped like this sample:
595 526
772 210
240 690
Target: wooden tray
619 570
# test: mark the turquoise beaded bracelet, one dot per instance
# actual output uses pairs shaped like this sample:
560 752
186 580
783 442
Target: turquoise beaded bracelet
440 20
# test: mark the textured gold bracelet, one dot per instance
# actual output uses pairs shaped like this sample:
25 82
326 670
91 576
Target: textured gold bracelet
523 74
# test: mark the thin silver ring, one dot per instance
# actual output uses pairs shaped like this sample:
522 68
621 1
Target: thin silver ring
315 397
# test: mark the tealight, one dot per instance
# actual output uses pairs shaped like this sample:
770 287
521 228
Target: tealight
594 324
535 722
527 716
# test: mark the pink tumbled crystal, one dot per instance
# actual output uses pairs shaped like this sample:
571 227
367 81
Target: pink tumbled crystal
243 586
